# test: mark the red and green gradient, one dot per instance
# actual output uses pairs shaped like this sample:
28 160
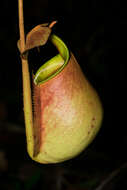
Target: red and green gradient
67 110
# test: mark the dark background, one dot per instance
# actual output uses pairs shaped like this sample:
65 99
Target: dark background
81 26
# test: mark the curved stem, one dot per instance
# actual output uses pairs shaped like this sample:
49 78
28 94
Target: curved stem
52 24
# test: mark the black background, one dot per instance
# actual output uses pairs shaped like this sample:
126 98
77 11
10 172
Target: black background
81 25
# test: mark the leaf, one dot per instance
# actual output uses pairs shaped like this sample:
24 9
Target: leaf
38 36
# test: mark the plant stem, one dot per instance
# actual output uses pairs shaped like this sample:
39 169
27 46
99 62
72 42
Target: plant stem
21 25
26 85
111 176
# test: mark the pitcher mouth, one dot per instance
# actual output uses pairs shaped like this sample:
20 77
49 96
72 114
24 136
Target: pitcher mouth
55 65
